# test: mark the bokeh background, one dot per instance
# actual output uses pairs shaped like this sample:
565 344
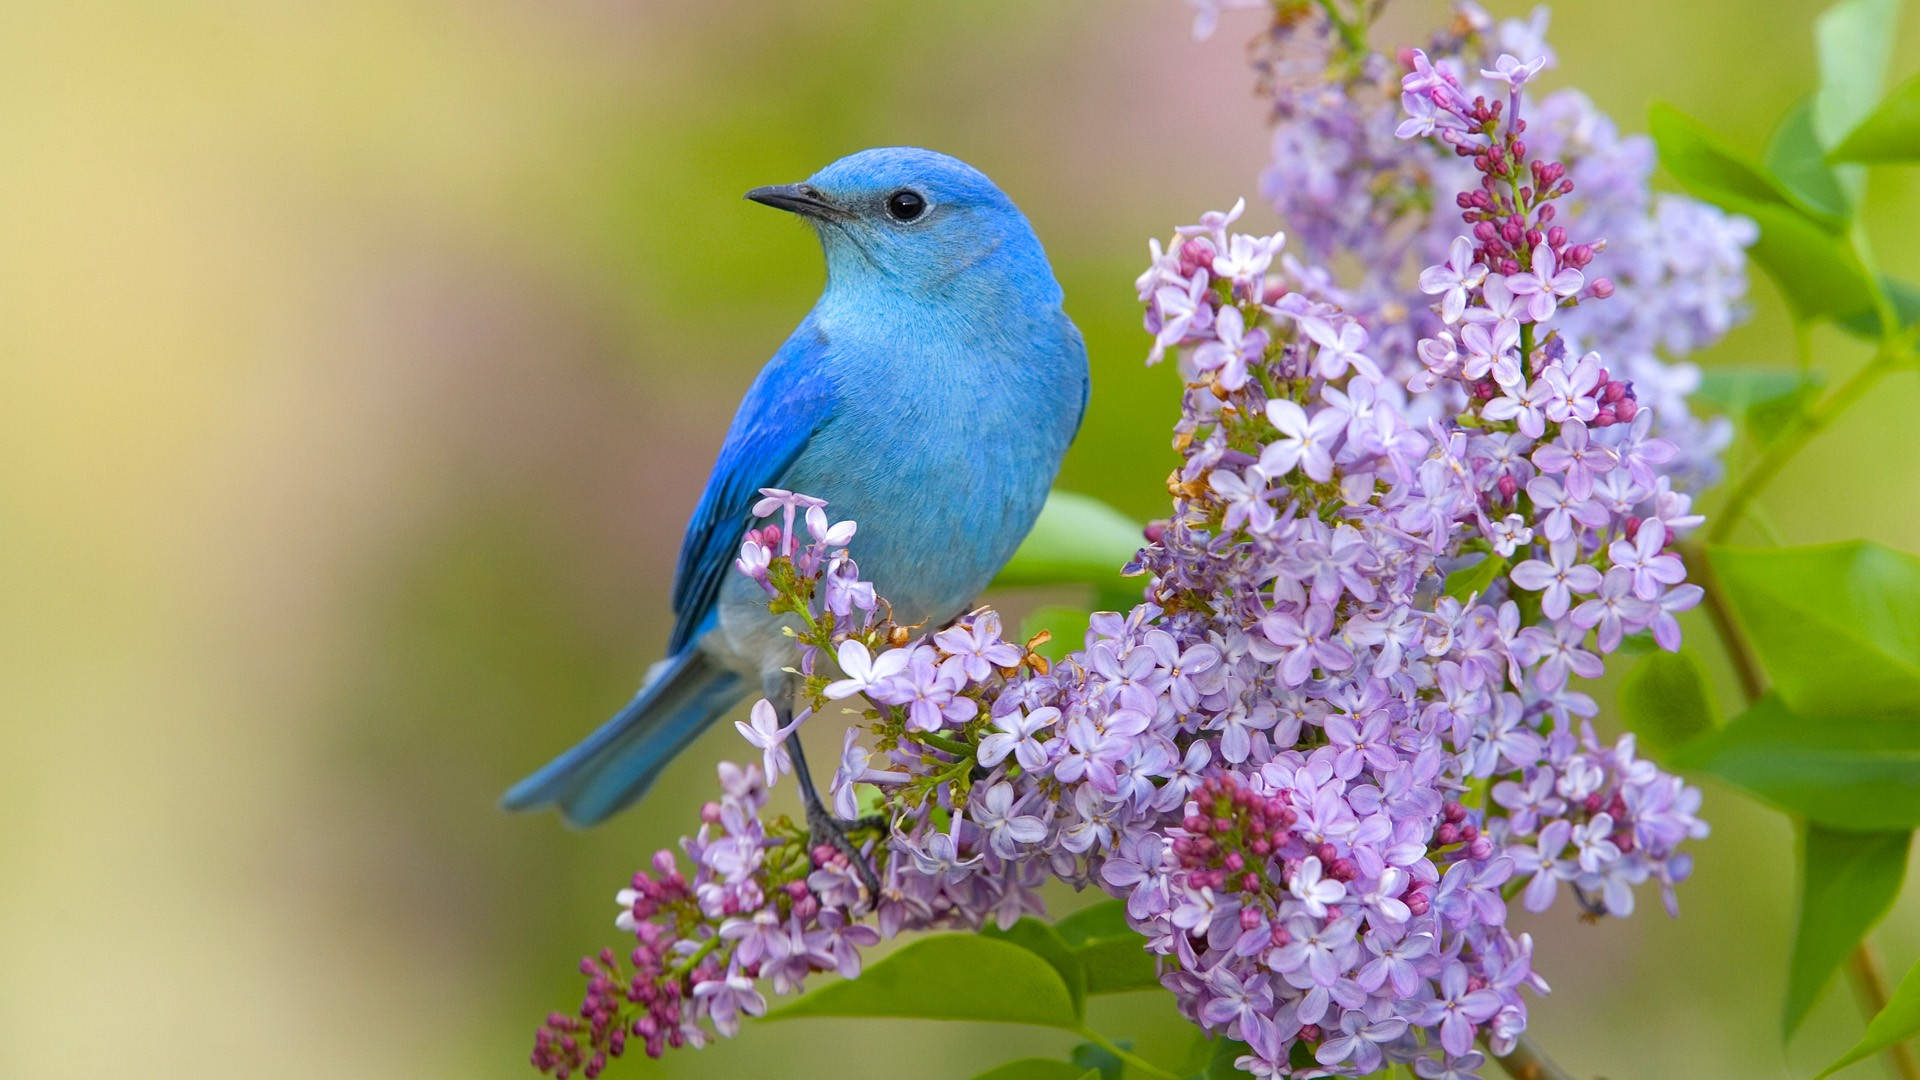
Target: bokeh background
361 364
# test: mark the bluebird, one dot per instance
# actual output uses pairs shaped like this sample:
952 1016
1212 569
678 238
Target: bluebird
929 395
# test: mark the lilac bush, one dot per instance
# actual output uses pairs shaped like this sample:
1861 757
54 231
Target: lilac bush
1349 183
1343 730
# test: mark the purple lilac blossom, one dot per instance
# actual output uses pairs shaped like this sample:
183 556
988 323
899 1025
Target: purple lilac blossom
1315 773
1344 186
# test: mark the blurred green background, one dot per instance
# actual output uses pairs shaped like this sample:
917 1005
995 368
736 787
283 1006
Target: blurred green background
362 362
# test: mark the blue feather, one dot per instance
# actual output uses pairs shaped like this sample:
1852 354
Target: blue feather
929 396
613 767
780 413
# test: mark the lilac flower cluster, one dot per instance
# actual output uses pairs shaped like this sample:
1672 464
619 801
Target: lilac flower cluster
1343 730
1402 573
765 905
1346 187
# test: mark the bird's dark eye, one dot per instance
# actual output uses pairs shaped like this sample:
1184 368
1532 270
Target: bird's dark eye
906 205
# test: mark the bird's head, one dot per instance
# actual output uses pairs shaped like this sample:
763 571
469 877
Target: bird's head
918 223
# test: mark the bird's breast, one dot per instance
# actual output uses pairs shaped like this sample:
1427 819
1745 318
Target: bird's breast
944 456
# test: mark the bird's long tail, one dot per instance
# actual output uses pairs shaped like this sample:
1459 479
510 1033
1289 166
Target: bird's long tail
613 767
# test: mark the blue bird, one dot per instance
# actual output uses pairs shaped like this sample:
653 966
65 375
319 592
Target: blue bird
929 395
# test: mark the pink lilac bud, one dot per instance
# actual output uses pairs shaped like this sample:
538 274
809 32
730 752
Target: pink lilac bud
1195 254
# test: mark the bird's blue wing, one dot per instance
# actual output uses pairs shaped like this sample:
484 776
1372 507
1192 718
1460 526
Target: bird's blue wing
786 405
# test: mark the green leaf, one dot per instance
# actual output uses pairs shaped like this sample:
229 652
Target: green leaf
1039 939
1665 701
1848 771
1100 1062
949 977
1837 626
1763 399
1112 954
1847 882
1199 1055
1708 167
1091 1074
1891 134
1798 161
1905 297
1067 624
1034 1069
1106 919
1736 389
1898 1022
1852 42
1638 644
1077 540
1118 965
1817 271
1463 583
1802 250
1220 1062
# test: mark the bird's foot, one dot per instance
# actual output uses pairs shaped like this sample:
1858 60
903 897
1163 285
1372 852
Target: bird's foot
824 828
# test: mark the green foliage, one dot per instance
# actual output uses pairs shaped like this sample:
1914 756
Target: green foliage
1837 626
1708 167
1099 1062
1818 273
1798 161
1035 1069
1847 882
1040 939
1029 973
1218 1061
1850 771
1665 701
1067 624
1078 540
1803 249
1118 965
1852 42
1891 134
949 977
1898 1022
1107 919
1465 582
1904 296
1763 400
1110 951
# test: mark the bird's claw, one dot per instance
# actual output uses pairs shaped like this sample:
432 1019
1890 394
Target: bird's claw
824 828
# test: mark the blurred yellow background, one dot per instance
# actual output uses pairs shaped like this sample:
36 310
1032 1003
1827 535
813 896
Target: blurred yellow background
362 362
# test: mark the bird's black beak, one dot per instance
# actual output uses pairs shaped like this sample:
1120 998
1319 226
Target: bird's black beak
803 199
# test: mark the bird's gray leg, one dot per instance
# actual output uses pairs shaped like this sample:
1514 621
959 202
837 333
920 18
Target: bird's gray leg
822 826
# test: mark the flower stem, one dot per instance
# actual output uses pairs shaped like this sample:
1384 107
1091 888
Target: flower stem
1528 1062
1745 668
1871 983
1863 962
1132 1059
1349 33
1791 441
680 969
941 742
